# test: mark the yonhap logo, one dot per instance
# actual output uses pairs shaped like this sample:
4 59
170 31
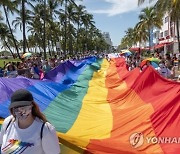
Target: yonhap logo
136 140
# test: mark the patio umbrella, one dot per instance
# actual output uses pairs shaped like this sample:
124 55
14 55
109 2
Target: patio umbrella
155 65
153 61
126 52
26 55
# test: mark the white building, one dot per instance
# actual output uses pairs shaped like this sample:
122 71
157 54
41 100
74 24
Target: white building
165 39
107 38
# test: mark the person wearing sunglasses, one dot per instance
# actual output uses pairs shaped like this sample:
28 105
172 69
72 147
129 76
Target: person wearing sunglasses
27 130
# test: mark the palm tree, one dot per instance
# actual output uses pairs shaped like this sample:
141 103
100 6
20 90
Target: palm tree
9 5
52 6
87 20
141 33
19 22
23 16
6 36
149 18
135 35
66 3
80 12
62 13
1 17
62 21
70 16
129 37
36 25
44 29
52 28
44 4
24 25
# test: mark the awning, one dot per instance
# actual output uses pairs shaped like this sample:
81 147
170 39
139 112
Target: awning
134 49
158 46
145 48
139 49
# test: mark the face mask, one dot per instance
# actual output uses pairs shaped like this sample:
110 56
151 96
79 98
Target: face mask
21 113
161 65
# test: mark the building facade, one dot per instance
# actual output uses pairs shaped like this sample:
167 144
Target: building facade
107 38
165 39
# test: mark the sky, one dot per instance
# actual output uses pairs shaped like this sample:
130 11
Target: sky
114 16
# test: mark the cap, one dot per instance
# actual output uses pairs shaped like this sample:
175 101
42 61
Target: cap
21 97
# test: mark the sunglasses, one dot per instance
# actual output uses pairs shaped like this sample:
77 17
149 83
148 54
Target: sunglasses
22 108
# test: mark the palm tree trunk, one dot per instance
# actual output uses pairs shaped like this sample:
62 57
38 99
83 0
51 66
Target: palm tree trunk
86 39
14 41
49 48
39 49
51 42
178 34
45 56
77 41
149 31
65 35
69 38
52 45
139 51
70 45
27 44
9 48
24 26
35 49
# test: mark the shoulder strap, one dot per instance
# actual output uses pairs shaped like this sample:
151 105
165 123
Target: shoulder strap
8 123
41 135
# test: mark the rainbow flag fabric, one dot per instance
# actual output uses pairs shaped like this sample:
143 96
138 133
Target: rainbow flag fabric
99 107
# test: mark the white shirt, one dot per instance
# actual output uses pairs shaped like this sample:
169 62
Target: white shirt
164 71
28 141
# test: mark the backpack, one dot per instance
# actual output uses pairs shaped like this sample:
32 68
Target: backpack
41 133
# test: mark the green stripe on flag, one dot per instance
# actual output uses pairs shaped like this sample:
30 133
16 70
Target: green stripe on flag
63 111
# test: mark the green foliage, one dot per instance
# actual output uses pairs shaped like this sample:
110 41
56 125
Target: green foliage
2 61
148 19
63 21
5 53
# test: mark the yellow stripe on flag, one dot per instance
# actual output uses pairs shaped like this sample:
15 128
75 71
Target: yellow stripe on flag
95 112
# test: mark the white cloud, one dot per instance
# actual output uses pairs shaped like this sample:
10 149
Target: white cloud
79 2
119 7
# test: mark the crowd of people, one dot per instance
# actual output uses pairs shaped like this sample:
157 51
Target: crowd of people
167 66
31 67
36 67
25 114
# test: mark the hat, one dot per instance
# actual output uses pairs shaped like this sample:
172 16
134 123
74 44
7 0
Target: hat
21 97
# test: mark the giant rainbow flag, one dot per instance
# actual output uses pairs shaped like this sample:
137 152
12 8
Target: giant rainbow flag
99 107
